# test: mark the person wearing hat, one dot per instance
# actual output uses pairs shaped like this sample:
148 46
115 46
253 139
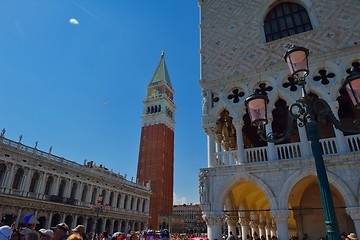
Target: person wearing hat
80 229
5 232
46 234
352 236
61 231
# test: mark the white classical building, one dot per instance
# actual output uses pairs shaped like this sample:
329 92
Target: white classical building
56 190
272 189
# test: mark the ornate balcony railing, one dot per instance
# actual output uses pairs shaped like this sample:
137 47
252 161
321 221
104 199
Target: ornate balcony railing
285 151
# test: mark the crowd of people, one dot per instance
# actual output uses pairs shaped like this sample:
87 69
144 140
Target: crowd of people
62 232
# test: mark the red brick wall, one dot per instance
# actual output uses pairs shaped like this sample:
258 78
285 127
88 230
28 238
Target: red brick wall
156 162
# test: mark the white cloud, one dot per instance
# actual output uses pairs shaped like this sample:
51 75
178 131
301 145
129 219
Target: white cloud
74 21
179 200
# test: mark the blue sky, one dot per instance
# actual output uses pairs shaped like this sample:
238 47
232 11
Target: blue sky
79 88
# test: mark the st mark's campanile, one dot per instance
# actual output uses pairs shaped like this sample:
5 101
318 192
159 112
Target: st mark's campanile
156 153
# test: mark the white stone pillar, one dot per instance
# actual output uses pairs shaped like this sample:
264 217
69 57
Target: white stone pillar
26 181
214 223
55 186
79 192
341 143
49 221
141 204
68 189
18 218
240 142
354 213
304 141
111 226
244 227
281 219
122 199
231 222
128 204
262 224
42 183
10 177
271 150
89 193
211 148
106 197
115 200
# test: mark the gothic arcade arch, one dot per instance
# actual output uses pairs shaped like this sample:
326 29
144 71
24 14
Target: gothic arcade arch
228 185
338 184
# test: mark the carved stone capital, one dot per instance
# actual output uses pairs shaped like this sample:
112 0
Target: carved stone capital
231 220
213 218
353 212
280 215
244 222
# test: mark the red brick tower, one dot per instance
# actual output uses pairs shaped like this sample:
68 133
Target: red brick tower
156 153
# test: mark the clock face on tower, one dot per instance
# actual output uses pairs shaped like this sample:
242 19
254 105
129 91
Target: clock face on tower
153 92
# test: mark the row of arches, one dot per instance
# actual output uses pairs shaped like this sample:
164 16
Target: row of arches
52 187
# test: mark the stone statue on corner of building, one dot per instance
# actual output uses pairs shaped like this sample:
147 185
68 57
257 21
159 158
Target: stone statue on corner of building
3 132
204 103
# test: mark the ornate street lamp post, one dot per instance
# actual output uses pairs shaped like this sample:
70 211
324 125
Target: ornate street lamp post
98 207
303 111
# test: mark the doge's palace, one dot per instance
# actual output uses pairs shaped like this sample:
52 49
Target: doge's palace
253 187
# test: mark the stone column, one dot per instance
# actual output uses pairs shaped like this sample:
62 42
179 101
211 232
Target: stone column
126 226
304 141
354 213
240 142
26 181
111 225
141 204
128 204
75 221
42 183
268 232
211 148
262 224
231 222
271 150
55 186
244 223
89 193
281 219
122 199
341 143
18 218
214 222
106 197
79 192
49 221
68 189
115 199
10 177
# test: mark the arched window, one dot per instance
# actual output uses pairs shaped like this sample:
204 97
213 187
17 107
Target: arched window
34 182
17 180
286 19
84 193
62 188
48 185
2 174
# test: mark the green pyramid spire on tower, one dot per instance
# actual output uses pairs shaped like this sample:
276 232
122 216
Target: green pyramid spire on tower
161 74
